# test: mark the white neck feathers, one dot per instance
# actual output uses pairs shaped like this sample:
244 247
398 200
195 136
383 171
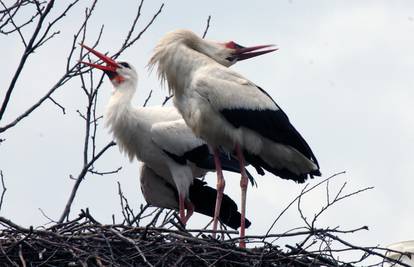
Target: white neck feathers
177 56
120 118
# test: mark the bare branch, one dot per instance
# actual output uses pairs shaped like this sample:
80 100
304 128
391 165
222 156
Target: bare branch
57 104
16 28
16 5
28 50
106 173
22 261
129 43
80 114
132 243
70 71
127 212
50 25
370 251
4 189
134 23
337 198
46 216
167 98
79 179
296 198
61 81
147 99
207 26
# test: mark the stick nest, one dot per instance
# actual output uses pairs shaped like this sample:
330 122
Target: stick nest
85 242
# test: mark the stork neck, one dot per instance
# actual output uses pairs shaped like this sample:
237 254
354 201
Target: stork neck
121 98
119 108
180 65
124 121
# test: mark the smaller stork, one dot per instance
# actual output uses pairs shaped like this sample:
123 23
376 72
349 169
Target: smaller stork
157 136
157 192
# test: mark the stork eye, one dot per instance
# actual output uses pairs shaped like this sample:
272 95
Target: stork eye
126 65
233 45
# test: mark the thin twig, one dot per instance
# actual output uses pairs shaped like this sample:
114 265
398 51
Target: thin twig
147 99
166 99
29 48
132 243
4 189
131 42
79 179
107 172
57 104
297 197
207 26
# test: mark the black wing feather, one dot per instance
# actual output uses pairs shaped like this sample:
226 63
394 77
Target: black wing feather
272 124
202 158
203 198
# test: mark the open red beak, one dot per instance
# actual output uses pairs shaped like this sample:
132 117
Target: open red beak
111 65
243 53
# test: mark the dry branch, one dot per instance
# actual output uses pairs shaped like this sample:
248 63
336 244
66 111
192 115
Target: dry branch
4 189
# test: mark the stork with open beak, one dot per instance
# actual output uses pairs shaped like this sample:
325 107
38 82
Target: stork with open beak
227 110
159 137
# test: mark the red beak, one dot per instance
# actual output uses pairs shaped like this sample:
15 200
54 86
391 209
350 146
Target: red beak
248 52
111 65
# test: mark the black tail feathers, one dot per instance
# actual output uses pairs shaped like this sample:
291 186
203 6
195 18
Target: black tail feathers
203 198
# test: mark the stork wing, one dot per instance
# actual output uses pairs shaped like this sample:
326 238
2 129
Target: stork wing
174 137
159 193
156 190
177 140
225 88
244 104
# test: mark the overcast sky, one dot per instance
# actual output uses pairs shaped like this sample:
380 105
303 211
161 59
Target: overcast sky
343 74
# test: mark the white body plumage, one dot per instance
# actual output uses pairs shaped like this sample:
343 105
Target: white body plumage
144 132
205 91
134 129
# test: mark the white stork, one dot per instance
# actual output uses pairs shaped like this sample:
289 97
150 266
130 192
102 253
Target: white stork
159 193
402 252
157 136
227 110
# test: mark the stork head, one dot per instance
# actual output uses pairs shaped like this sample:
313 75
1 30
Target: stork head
180 50
231 52
225 54
121 74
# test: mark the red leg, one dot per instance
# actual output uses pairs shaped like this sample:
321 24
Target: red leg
220 188
243 184
190 210
182 208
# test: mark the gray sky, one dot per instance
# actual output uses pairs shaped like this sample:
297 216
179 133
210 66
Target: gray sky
343 74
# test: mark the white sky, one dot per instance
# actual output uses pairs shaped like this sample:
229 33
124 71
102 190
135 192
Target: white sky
343 74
